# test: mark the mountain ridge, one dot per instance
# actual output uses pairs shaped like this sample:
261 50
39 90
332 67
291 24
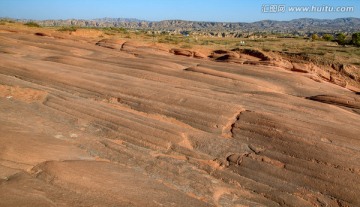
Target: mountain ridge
301 25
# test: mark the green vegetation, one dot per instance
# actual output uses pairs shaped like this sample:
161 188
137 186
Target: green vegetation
68 29
169 40
328 37
5 21
206 42
115 30
315 37
341 38
356 39
32 24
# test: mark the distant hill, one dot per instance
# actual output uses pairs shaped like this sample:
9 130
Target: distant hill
301 26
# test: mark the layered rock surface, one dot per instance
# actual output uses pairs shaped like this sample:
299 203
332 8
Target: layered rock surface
83 125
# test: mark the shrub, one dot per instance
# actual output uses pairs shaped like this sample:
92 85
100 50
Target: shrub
68 29
356 39
314 37
328 37
4 21
170 40
205 42
118 29
32 24
340 38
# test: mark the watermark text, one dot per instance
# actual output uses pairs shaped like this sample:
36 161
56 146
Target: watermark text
281 8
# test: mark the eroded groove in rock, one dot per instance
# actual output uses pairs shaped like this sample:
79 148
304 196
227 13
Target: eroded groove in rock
350 102
294 157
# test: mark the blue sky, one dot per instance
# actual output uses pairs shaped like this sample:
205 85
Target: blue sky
155 10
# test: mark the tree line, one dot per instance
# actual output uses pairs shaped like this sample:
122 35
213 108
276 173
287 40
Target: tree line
340 38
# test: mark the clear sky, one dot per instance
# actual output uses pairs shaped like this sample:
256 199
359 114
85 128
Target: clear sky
155 10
